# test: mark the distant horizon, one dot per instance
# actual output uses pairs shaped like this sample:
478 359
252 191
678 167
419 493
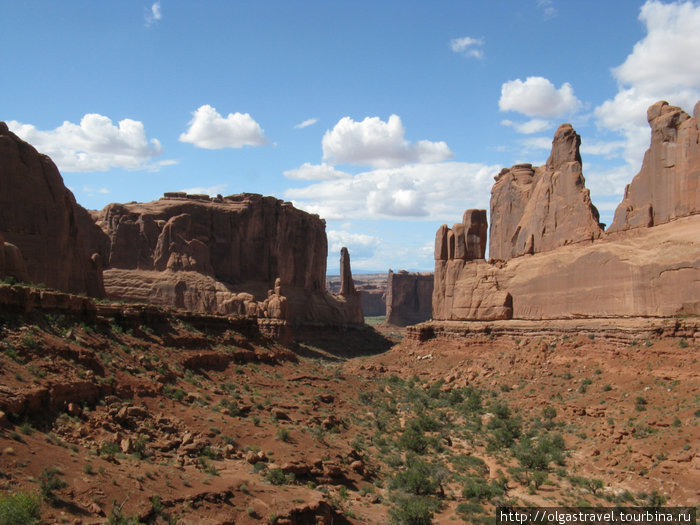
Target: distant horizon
385 119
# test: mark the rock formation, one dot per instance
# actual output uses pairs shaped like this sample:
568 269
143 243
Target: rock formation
408 298
241 254
372 288
12 262
539 209
668 185
546 212
39 216
465 286
347 289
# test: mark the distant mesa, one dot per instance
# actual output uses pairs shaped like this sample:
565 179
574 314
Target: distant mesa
549 255
408 297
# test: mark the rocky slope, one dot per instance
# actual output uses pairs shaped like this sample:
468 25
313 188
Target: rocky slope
550 259
40 217
132 413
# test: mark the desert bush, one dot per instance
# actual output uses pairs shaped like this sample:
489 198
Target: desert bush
20 508
49 482
411 510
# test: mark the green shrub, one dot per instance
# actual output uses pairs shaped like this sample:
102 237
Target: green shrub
48 482
413 439
478 489
276 476
410 510
20 508
418 478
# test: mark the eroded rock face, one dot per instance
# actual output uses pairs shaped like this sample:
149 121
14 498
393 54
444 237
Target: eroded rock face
238 238
39 216
348 294
12 262
539 209
668 185
408 298
242 255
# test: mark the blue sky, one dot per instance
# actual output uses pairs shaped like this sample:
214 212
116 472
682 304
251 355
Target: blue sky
386 118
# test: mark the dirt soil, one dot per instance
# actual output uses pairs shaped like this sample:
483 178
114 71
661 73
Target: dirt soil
173 424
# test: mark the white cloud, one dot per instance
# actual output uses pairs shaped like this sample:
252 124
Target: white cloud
212 191
535 125
91 192
535 143
379 144
209 130
360 245
154 14
95 144
308 171
538 97
608 149
306 123
440 191
468 46
547 8
664 65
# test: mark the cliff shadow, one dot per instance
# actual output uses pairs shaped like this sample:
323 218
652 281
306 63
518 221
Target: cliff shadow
339 342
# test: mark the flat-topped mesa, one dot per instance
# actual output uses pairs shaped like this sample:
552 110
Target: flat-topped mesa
408 297
235 239
668 185
539 209
39 216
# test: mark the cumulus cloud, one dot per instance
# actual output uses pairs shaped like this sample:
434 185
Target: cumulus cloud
308 171
154 14
95 144
547 8
360 245
664 65
535 125
212 191
306 123
416 191
373 142
209 130
468 46
538 97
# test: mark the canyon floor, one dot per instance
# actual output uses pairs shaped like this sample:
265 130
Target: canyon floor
172 422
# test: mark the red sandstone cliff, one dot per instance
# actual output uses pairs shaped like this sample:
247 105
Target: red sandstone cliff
39 216
668 185
229 255
539 209
408 298
547 212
